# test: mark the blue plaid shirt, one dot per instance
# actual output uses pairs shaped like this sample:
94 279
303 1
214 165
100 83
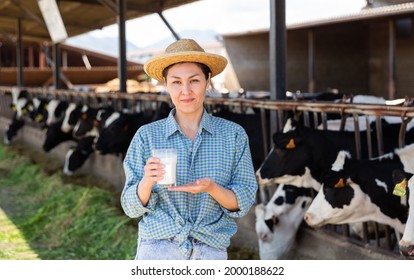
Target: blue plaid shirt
221 152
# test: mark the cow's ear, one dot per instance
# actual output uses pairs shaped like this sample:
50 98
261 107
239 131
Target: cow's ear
400 181
340 183
291 144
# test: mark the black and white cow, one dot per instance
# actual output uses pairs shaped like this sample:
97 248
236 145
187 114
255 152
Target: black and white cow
21 109
55 136
301 155
62 130
278 221
56 111
77 156
71 116
362 190
118 130
407 240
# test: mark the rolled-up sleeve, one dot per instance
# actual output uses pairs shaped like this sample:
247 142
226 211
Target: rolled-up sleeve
244 183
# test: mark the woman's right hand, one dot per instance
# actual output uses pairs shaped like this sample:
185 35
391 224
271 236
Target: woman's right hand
153 171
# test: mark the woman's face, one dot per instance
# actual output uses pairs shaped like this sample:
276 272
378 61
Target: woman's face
187 85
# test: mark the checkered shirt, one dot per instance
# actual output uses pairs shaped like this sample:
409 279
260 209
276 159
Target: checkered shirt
221 152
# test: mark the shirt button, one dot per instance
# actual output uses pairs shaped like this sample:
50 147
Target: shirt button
190 150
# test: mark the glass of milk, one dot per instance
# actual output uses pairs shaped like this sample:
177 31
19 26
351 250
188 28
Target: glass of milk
168 157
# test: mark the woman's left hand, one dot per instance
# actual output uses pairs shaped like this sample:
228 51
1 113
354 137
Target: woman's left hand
201 185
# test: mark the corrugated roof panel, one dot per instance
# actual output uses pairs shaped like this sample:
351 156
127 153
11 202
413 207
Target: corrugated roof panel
364 14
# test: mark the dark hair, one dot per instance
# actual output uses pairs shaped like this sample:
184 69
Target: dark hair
204 68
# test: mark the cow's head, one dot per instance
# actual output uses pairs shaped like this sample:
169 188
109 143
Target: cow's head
71 117
340 200
55 136
277 222
404 187
87 122
288 161
76 156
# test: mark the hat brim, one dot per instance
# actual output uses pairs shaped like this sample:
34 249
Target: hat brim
154 66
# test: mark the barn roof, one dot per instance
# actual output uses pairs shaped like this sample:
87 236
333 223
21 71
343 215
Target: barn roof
79 16
365 14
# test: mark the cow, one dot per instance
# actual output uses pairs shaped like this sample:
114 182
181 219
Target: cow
62 130
15 125
76 156
55 136
402 188
20 107
278 221
56 111
118 131
301 155
71 116
91 119
362 190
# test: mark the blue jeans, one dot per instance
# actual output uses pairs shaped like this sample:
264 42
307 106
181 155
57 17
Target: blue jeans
167 249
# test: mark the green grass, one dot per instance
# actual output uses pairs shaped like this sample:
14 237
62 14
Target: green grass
59 220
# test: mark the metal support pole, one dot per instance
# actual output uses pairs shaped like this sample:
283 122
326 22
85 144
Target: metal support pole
391 59
277 41
19 54
57 61
122 75
169 26
311 62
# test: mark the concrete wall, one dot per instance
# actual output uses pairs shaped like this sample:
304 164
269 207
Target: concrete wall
108 167
352 57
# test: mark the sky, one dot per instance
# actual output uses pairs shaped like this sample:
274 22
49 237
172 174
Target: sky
226 17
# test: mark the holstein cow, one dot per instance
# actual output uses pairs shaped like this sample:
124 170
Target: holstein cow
61 131
56 111
362 190
301 155
77 156
55 136
20 107
403 189
86 132
278 221
118 131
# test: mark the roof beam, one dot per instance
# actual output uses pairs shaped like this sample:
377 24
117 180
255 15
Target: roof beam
109 5
130 6
29 13
4 4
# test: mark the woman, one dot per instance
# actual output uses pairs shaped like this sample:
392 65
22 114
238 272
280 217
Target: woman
215 176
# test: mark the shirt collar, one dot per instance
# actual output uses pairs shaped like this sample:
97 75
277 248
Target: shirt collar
171 125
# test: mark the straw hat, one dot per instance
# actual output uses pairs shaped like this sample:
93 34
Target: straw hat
184 50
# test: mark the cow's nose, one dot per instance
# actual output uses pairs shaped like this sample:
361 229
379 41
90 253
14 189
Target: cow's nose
259 179
308 218
264 236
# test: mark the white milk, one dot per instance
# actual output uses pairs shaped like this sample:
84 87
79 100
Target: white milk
168 157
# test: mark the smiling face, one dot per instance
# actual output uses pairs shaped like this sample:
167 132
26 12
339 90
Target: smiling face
187 83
